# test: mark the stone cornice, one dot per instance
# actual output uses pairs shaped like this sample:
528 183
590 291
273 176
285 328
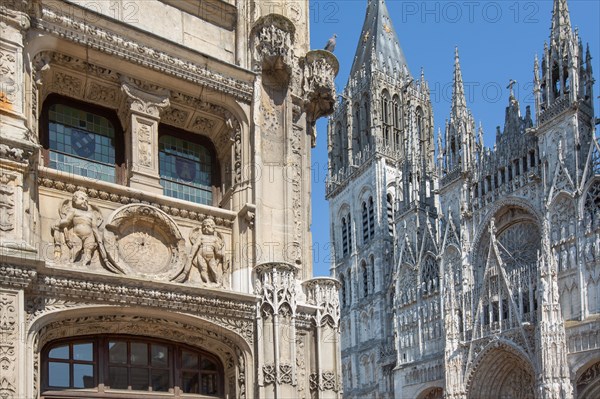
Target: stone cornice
60 289
95 37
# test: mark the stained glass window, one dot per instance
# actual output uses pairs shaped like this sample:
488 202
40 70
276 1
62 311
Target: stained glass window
185 170
81 142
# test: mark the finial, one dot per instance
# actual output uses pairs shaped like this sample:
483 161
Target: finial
511 83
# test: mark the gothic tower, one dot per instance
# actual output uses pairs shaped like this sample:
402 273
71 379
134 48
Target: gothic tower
381 165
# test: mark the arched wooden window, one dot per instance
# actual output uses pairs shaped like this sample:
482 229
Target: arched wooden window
188 166
82 139
125 365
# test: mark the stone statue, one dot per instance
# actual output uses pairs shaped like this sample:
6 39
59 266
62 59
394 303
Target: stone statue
79 221
208 255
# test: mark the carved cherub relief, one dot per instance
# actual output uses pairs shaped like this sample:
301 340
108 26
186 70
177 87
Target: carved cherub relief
208 261
77 230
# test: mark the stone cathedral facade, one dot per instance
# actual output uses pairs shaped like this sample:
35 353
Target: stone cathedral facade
154 212
466 272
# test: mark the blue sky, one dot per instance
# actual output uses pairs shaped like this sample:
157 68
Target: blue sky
497 41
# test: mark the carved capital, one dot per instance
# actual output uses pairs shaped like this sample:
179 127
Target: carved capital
276 284
149 102
324 293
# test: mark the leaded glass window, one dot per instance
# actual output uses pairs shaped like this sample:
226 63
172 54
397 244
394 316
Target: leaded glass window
185 169
81 142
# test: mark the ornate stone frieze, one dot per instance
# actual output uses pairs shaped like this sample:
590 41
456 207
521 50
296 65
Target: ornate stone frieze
62 293
15 153
49 180
175 116
88 34
16 276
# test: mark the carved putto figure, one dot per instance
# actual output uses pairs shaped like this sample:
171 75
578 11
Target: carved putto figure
208 255
79 221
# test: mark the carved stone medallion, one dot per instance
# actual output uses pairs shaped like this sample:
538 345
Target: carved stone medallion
143 241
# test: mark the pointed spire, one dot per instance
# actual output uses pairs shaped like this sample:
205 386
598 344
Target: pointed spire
378 43
561 22
459 104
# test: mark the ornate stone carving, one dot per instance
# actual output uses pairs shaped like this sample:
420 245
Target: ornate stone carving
276 284
274 40
320 70
13 153
102 94
324 293
269 375
7 201
150 104
77 230
87 33
207 263
143 241
285 374
7 79
123 197
67 84
9 307
144 134
202 124
174 116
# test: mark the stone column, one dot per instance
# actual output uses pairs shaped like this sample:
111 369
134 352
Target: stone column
276 348
140 115
325 379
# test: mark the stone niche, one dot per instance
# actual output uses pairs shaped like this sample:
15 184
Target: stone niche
143 241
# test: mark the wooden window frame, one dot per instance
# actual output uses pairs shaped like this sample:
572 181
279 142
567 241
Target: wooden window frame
101 364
